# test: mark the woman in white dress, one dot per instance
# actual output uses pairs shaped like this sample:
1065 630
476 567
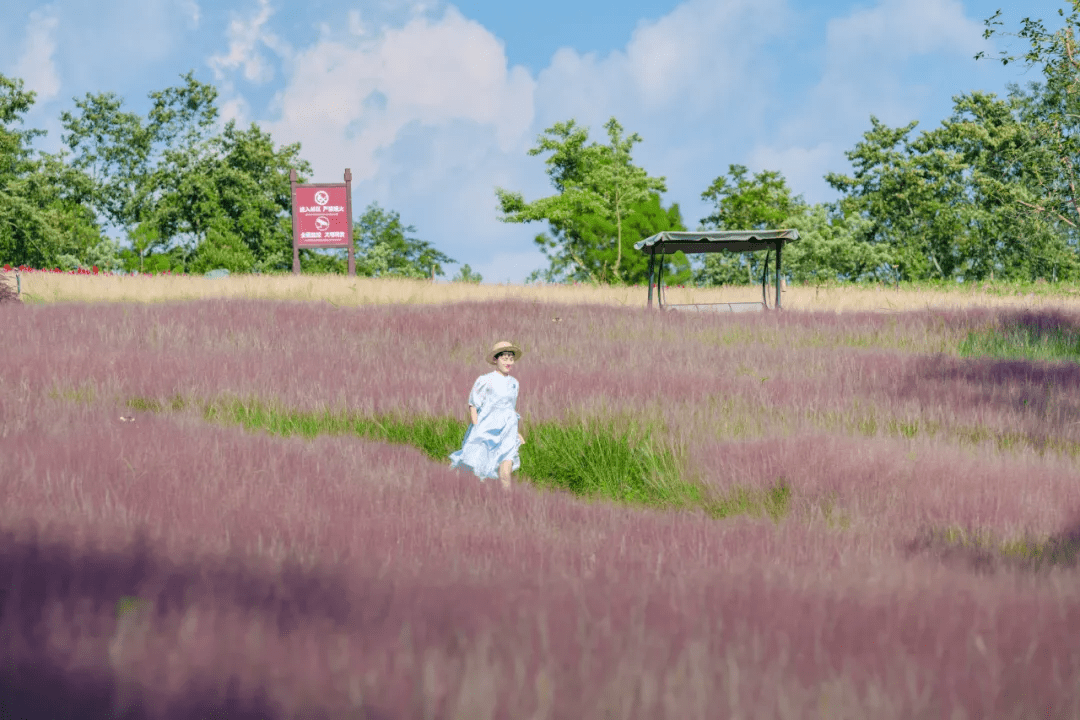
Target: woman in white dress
491 444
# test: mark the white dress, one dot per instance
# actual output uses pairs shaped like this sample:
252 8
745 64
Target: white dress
494 437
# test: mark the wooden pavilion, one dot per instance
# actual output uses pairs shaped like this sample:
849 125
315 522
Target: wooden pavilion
667 243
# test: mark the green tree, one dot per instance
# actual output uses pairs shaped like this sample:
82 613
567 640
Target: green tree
595 215
237 185
221 248
649 217
829 247
915 194
122 151
646 218
1038 173
43 218
1052 113
385 248
741 201
1010 234
175 181
144 240
466 274
960 201
27 233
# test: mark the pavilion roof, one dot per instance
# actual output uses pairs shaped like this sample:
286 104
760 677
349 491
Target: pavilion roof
704 241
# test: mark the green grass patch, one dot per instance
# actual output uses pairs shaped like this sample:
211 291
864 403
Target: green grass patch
177 403
1022 342
129 604
864 422
774 502
985 548
1043 552
84 394
588 458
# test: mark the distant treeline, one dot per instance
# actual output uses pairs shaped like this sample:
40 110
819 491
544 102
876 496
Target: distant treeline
989 193
182 191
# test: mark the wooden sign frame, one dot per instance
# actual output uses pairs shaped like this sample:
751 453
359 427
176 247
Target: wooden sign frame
311 220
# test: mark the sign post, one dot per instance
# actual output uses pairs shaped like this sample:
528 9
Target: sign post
322 217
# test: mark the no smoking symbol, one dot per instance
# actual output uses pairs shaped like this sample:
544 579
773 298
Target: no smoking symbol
322 223
322 197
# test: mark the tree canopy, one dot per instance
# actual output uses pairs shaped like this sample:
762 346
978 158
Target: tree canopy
989 193
743 202
174 189
44 216
386 248
603 205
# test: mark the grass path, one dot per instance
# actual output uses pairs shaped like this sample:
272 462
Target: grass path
589 460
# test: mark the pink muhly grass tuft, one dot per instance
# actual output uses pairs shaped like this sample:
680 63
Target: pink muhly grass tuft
907 483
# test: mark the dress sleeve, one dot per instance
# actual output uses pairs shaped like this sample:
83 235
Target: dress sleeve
479 392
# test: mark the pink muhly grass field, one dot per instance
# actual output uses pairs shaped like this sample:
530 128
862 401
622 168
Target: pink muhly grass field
177 568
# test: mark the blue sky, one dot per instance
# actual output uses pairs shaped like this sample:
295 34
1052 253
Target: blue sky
434 104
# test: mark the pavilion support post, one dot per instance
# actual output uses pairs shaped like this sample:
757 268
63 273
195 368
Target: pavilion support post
779 245
348 214
652 268
764 282
295 246
660 284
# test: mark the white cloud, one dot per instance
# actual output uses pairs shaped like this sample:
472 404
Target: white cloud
245 39
36 65
701 51
703 54
353 97
898 29
869 57
868 51
234 107
192 10
803 167
356 24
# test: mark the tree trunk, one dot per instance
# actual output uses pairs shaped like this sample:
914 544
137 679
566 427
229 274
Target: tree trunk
934 260
581 265
618 237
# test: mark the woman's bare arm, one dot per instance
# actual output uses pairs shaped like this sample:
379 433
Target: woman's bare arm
472 415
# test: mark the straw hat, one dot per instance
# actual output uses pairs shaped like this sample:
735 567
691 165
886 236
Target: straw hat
501 347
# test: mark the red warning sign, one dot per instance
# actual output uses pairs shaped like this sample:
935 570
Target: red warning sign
321 216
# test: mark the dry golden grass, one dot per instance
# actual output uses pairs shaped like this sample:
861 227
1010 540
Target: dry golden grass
345 291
